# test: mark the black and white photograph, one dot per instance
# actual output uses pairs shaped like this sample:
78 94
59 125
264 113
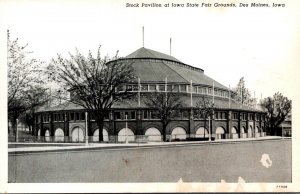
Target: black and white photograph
149 96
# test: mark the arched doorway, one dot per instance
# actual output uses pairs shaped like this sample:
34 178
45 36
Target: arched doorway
243 129
153 134
243 134
47 135
262 134
220 133
126 134
202 132
257 129
257 134
39 134
234 133
96 135
77 134
250 132
59 135
178 133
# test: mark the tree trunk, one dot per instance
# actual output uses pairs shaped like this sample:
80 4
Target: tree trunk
14 128
204 126
164 132
9 127
30 129
99 121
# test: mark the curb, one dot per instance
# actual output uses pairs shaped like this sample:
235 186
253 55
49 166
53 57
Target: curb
78 148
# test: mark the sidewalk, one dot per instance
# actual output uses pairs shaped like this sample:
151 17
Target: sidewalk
96 146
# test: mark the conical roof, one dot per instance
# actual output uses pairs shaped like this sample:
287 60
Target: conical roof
156 67
144 53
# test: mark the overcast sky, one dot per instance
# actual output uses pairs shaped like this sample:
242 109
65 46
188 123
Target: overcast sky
261 44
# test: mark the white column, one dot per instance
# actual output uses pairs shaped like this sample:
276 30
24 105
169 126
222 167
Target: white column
209 133
191 89
213 92
139 92
126 125
86 129
166 81
17 135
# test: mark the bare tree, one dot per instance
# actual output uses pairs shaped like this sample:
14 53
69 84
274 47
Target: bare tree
93 82
165 104
205 109
277 107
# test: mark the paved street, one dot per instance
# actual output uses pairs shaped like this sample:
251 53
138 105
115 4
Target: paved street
192 163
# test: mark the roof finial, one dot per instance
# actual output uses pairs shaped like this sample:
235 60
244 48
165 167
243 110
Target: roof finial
143 36
170 46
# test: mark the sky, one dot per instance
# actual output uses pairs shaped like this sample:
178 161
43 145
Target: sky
259 44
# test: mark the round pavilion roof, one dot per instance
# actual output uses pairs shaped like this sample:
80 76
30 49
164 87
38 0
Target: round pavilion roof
144 53
152 66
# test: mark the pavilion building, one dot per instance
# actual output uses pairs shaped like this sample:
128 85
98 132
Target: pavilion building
156 72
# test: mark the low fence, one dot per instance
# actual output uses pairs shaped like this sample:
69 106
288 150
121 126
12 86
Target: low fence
132 138
91 139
